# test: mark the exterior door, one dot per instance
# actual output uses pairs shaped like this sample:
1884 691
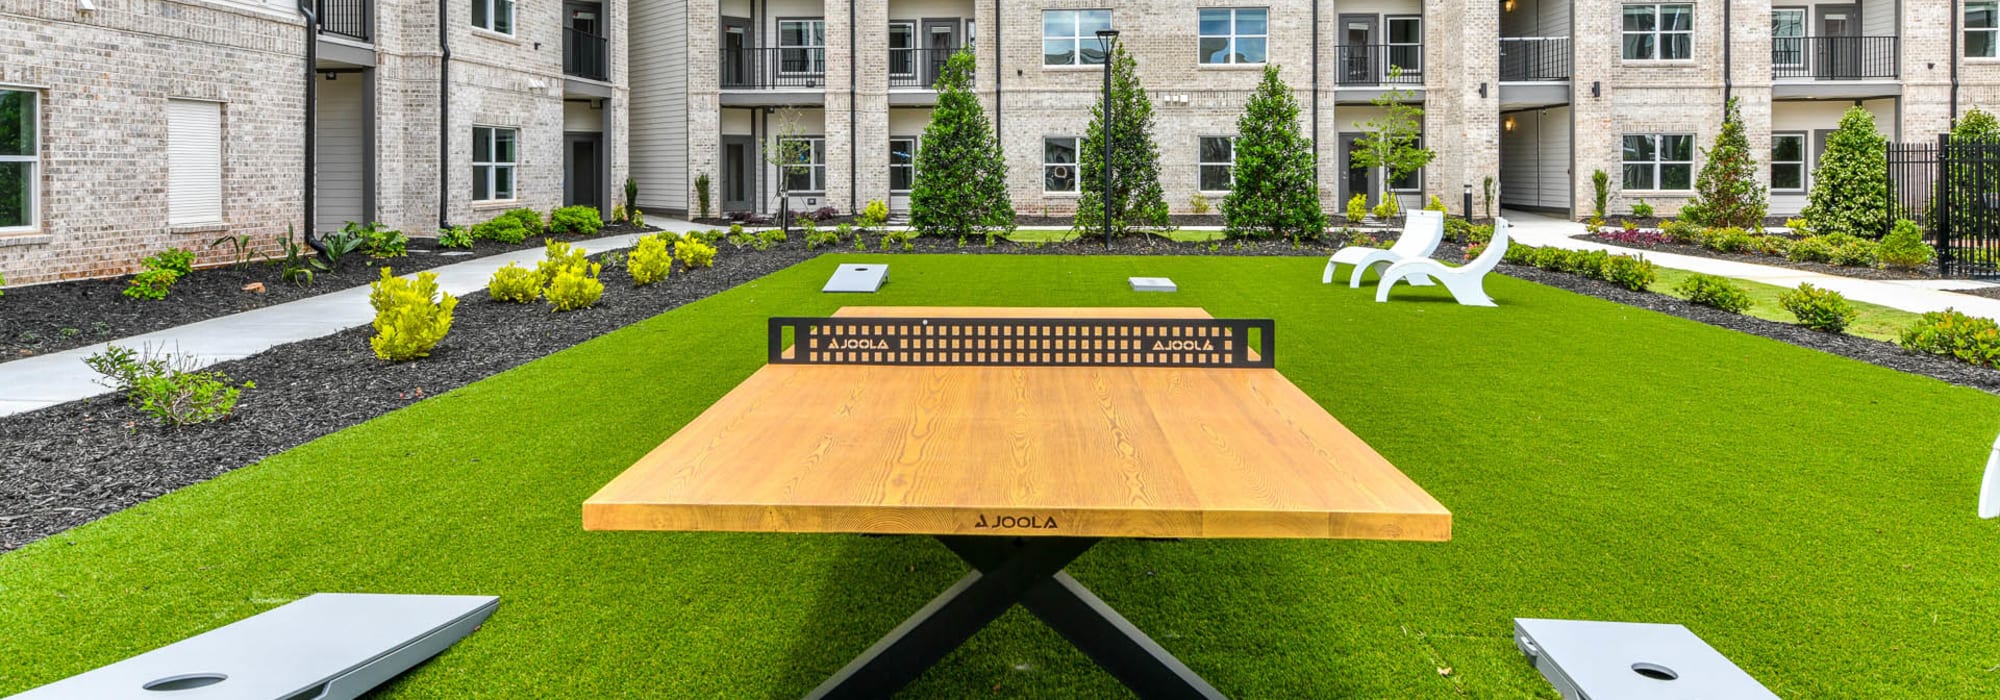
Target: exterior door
739 158
584 47
1839 42
582 161
1354 179
736 54
1357 50
940 37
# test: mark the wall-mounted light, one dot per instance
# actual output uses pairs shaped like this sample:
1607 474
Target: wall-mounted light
1596 89
1508 123
1482 89
86 6
1509 5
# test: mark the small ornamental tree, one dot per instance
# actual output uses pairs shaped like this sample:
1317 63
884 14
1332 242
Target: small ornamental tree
1969 177
1850 192
961 185
1273 192
1726 193
1388 143
1136 197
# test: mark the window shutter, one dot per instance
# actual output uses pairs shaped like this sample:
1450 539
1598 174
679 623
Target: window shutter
194 162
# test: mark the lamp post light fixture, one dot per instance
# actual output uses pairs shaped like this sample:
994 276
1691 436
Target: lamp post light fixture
1105 39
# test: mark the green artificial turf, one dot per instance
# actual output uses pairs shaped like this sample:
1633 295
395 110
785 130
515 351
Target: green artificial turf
1809 516
1874 321
1058 235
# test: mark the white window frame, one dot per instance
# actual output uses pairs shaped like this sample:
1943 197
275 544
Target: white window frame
1658 34
1789 46
1076 174
894 166
1076 37
183 218
495 167
1992 32
495 10
1805 159
908 52
1201 163
34 161
1658 164
1231 36
814 166
815 53
1391 48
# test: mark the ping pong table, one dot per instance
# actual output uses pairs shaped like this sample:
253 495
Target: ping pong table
1019 437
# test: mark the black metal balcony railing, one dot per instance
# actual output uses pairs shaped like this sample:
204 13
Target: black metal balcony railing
758 69
917 68
1834 57
586 55
346 18
1525 59
1380 64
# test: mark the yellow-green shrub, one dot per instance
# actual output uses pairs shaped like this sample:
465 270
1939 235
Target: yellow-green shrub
693 253
516 284
575 288
650 261
1357 208
558 257
411 316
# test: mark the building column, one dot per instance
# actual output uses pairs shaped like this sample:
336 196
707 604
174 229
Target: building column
1461 124
1925 42
704 110
841 44
871 121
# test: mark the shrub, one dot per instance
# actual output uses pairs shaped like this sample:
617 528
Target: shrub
1777 246
823 213
898 239
816 239
170 388
1642 210
505 229
411 316
515 283
701 193
1436 204
1357 208
650 261
1634 236
873 214
1519 254
1198 204
1629 272
1727 240
151 284
1479 235
1850 192
1680 231
1904 247
1388 208
377 241
575 221
1811 249
575 288
180 261
1822 310
1970 339
632 202
1600 192
455 237
1799 226
1275 193
1714 291
557 258
693 254
1726 192
1839 249
529 218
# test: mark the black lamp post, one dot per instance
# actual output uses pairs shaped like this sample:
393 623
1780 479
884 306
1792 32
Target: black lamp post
1105 38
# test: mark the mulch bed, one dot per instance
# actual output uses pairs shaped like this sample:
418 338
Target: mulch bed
70 464
1927 271
62 315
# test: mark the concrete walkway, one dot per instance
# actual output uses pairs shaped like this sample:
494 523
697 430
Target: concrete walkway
1916 296
60 377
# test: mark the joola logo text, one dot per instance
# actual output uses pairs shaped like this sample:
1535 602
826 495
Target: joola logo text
1015 522
1183 345
856 344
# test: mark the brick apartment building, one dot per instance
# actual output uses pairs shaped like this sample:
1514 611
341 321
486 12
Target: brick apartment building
1536 94
131 126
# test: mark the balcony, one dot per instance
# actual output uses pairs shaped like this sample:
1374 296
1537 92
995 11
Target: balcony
773 68
918 68
1834 58
348 19
1380 65
586 55
1534 59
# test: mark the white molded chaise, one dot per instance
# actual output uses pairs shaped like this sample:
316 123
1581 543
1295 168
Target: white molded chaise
1467 283
1423 229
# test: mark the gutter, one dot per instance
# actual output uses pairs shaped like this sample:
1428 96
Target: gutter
1954 66
1728 77
998 50
1315 94
444 116
312 123
853 135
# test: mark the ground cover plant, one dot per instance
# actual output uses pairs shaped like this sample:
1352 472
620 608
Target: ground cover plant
1648 480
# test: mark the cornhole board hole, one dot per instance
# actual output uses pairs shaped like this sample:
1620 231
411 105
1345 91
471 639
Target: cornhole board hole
850 277
326 646
1588 660
1152 284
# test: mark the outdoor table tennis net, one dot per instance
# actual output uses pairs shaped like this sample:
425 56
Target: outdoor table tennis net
1024 342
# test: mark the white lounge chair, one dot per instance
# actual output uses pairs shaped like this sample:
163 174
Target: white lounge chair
1467 283
1423 229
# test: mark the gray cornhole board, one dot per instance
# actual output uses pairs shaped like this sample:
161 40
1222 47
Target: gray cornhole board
326 646
864 279
1152 284
1589 660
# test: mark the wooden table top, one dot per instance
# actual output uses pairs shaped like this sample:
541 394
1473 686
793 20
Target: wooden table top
1049 451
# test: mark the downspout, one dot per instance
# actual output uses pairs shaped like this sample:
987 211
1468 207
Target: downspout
1728 76
444 116
1315 91
1954 66
853 136
998 50
312 122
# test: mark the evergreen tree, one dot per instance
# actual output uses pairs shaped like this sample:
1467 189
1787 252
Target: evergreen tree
1726 193
1850 192
961 184
1136 197
1273 191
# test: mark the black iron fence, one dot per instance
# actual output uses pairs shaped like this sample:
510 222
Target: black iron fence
586 55
1834 57
1380 64
766 68
1525 59
1952 190
917 68
346 18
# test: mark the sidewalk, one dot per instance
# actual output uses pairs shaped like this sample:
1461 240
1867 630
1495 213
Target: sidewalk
46 380
1917 296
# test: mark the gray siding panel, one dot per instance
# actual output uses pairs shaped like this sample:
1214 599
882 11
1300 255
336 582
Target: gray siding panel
338 181
659 140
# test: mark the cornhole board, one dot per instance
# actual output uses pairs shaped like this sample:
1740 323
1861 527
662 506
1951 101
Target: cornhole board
857 278
1152 284
1590 660
326 646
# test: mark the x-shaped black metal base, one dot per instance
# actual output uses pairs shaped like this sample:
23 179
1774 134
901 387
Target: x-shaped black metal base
1007 571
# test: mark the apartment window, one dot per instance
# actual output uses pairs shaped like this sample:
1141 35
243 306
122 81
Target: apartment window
1659 161
902 49
902 164
1663 32
1069 37
1788 37
194 162
494 15
1059 164
20 159
1233 35
808 173
1406 44
802 46
494 153
971 30
1982 29
1788 162
1216 163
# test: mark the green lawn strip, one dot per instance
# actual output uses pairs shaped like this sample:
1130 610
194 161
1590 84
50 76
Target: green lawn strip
1878 322
1808 515
1059 235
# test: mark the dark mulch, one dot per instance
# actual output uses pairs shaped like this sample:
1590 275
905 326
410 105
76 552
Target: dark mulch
52 317
1867 273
